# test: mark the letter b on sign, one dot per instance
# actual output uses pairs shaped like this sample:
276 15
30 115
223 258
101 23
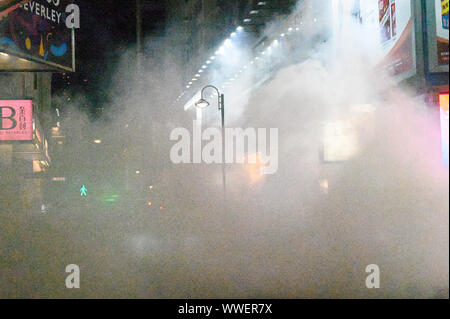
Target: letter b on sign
10 118
73 280
373 280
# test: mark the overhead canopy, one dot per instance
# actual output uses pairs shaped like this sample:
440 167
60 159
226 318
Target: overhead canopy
34 36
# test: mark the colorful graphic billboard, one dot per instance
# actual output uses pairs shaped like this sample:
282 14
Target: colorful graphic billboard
396 34
16 120
443 103
437 35
37 30
389 23
442 31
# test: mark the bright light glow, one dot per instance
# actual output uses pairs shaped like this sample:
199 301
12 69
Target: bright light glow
138 172
247 20
149 203
324 185
204 66
254 12
98 141
197 75
443 103
227 42
208 62
233 34
254 164
340 141
4 54
290 29
282 35
212 58
239 28
187 86
202 104
191 103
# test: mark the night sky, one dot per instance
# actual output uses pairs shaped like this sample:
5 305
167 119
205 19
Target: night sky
107 27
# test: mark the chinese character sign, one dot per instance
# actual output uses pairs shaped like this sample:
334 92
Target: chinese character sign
16 120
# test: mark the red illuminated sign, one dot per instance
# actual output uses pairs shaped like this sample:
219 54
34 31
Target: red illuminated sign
16 120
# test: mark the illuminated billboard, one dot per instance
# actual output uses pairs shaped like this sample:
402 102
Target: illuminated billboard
396 35
442 8
443 103
437 12
37 31
16 120
391 26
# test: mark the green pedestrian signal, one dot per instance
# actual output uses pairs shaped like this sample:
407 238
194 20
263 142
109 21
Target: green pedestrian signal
83 191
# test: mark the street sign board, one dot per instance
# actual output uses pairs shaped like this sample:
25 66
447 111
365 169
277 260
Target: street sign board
16 120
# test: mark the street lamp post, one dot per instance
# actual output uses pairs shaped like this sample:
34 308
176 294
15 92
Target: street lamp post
202 103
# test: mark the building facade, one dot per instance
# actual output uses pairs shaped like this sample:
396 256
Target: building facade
200 25
28 128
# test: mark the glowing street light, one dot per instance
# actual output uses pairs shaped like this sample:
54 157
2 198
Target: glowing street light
202 104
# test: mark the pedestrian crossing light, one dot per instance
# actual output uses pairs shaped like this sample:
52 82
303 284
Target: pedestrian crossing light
83 191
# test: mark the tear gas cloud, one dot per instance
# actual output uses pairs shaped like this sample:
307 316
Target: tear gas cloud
308 231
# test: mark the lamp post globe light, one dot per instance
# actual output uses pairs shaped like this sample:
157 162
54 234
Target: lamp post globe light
203 104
